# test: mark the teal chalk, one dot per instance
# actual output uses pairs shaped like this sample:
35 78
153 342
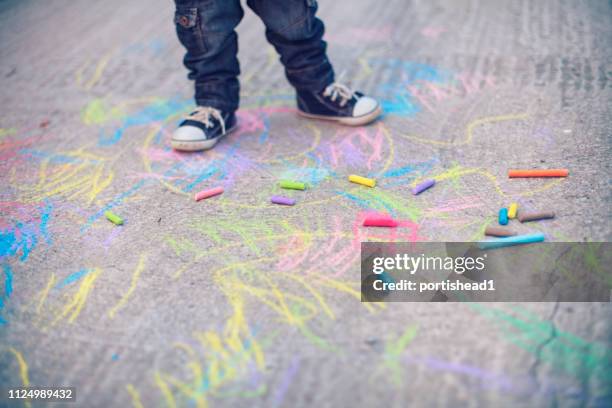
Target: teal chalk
503 216
509 241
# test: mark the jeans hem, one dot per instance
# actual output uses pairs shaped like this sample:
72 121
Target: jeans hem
217 104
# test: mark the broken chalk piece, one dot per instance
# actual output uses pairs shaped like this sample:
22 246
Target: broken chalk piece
208 193
362 180
423 186
538 173
292 185
512 211
509 241
503 216
376 221
494 231
114 218
525 217
282 200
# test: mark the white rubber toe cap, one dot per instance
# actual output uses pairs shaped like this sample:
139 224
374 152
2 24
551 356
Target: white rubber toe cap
364 106
191 139
188 134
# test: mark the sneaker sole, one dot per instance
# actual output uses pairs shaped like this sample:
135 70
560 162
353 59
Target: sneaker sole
357 121
197 145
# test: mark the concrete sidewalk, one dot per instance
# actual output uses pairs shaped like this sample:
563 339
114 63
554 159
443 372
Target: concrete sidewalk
235 302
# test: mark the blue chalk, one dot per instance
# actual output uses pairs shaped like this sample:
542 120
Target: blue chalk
509 241
503 216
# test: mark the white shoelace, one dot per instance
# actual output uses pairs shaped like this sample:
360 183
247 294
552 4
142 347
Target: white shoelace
204 113
337 90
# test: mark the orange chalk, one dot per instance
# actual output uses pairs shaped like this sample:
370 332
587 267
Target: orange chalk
538 173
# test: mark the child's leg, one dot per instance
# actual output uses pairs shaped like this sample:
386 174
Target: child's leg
297 35
206 30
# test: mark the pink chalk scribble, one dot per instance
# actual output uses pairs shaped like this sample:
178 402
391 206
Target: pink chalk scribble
432 32
354 146
431 94
251 120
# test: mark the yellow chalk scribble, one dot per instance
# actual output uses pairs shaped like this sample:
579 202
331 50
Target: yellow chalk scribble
393 353
23 370
45 292
135 395
165 389
98 111
183 245
228 355
458 171
72 308
469 131
97 74
85 177
126 296
7 132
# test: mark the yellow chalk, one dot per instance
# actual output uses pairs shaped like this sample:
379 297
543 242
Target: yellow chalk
362 180
512 210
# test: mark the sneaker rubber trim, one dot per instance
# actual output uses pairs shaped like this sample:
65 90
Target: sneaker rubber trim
197 145
344 120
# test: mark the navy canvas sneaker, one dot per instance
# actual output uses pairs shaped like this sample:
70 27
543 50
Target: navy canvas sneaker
340 104
202 129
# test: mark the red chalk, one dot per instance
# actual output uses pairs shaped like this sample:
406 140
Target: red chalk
375 221
208 193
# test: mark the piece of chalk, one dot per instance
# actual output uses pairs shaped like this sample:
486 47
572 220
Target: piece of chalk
292 185
114 218
512 211
509 241
208 193
376 221
282 200
362 180
503 216
525 217
494 231
538 173
423 186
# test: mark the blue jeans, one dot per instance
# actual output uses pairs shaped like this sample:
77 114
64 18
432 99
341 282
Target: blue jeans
206 30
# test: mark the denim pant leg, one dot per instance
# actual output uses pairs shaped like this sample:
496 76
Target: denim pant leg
297 35
206 30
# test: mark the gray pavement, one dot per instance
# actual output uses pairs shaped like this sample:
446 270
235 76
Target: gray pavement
234 302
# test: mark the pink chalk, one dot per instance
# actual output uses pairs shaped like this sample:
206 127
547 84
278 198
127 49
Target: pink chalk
282 200
208 193
374 221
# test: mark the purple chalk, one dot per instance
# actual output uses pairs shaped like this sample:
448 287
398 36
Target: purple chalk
423 186
282 200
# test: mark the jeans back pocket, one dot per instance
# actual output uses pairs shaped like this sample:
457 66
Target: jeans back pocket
189 30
